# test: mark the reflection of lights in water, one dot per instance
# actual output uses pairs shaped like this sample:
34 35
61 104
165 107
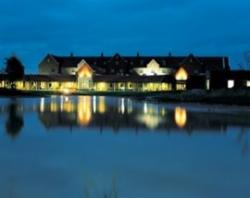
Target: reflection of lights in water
145 108
61 103
122 106
150 116
130 106
163 111
102 105
53 106
84 114
94 104
42 105
150 121
180 117
66 104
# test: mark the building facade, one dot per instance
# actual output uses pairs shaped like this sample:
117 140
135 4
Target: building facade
123 73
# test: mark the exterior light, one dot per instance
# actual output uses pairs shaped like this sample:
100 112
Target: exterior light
230 84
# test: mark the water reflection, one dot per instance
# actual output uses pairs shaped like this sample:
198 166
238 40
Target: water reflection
84 112
83 163
120 113
14 121
180 115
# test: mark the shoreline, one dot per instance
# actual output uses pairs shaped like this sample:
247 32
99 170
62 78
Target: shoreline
239 97
224 97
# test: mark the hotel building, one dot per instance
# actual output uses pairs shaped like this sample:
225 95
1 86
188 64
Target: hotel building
123 73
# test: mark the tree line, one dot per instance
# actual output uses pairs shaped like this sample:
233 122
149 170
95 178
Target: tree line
14 69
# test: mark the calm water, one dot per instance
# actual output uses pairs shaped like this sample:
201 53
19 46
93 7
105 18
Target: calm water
101 147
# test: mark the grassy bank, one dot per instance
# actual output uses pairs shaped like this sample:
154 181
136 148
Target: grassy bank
229 97
38 93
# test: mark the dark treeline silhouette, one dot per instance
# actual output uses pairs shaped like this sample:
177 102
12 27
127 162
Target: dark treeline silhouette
14 69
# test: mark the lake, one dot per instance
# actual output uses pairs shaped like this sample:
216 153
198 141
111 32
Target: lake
104 147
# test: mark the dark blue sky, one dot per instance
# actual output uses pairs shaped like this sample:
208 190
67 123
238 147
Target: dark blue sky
31 29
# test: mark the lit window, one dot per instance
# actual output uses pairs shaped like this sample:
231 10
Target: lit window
207 84
248 83
230 84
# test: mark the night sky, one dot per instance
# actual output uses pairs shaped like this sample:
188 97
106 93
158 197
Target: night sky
31 29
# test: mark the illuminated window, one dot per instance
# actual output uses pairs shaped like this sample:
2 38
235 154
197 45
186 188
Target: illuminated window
230 84
181 86
248 83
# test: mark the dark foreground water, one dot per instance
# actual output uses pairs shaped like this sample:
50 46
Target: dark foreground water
97 147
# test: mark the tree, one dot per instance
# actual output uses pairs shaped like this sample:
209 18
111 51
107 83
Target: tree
14 69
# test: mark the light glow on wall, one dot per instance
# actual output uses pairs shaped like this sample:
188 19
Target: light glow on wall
181 74
84 70
153 69
102 86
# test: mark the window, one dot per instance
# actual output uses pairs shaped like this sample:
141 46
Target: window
207 84
181 87
248 83
230 84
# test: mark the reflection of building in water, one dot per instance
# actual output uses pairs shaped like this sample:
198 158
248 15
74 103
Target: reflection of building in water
57 110
93 112
102 105
84 110
125 113
180 116
150 116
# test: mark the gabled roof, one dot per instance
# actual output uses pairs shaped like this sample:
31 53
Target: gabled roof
101 63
